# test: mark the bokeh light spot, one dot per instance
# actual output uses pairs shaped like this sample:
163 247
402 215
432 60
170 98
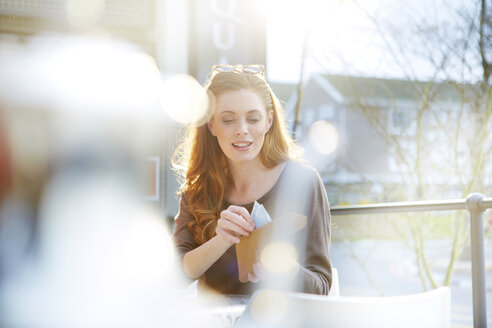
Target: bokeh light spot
184 99
323 137
91 74
279 257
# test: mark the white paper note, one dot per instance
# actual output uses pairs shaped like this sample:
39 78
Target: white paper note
260 215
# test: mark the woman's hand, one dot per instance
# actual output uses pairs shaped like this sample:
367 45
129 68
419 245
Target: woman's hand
257 273
234 222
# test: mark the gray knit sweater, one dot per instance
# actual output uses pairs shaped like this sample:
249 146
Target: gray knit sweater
298 190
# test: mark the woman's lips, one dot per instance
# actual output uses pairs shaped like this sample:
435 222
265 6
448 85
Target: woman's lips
241 145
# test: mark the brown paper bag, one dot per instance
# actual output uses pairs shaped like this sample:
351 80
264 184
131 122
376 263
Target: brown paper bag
248 250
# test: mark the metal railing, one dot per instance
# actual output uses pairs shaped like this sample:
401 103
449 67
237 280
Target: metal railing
476 204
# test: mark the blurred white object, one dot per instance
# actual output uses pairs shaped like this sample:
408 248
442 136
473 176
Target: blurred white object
103 260
101 256
430 309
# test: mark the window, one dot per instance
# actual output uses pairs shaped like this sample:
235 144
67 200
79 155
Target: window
401 122
326 112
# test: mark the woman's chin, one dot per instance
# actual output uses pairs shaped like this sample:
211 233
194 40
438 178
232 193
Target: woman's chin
243 157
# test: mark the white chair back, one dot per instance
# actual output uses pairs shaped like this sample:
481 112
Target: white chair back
266 308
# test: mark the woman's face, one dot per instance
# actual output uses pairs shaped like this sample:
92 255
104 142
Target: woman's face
240 123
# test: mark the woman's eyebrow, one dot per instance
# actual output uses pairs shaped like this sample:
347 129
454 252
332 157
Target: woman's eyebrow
227 112
233 112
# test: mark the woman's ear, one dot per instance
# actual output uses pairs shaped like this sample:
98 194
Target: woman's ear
211 127
269 120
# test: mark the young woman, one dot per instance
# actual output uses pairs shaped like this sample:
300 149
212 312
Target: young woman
241 155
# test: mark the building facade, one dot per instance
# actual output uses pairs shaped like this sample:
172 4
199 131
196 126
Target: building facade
398 139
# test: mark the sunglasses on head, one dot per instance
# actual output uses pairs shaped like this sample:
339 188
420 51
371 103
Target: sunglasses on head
248 69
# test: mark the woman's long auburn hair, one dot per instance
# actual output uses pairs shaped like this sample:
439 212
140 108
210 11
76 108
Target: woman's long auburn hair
201 165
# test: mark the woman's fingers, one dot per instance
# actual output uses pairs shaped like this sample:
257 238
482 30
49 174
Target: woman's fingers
243 212
252 277
234 222
240 216
232 225
257 273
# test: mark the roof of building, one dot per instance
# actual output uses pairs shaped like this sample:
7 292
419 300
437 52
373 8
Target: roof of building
356 87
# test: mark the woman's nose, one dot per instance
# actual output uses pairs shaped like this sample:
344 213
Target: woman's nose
242 129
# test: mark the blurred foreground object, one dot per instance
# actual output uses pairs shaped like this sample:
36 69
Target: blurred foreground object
78 245
270 308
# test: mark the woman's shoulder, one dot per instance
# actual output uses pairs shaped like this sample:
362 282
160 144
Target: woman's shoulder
301 168
300 186
300 173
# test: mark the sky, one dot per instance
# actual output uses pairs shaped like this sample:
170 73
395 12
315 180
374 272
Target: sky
342 38
287 29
